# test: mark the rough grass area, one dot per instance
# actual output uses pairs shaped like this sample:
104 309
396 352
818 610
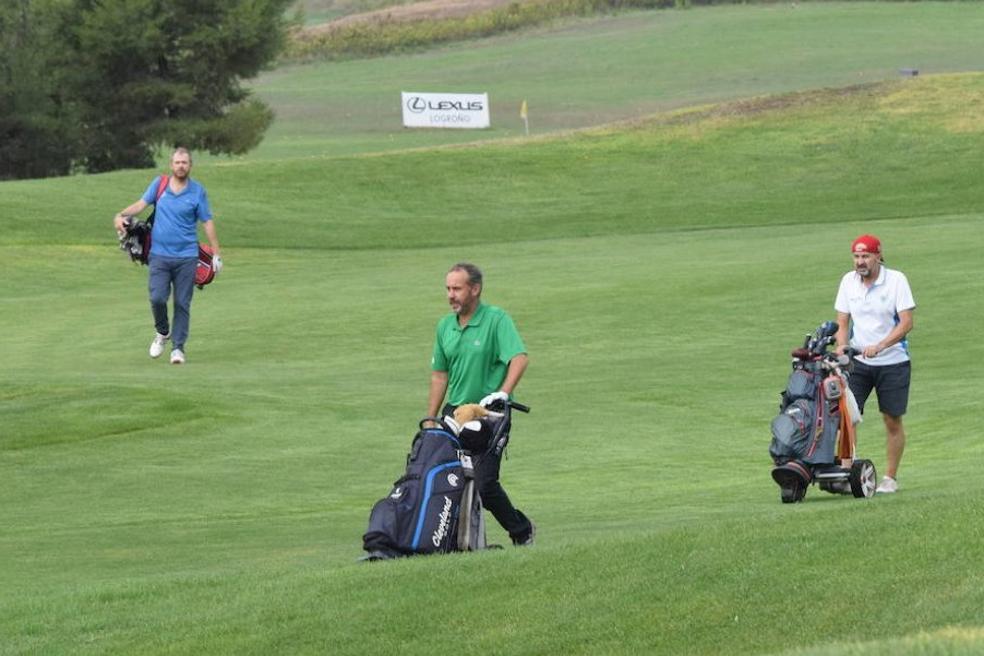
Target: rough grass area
405 12
318 12
417 26
338 30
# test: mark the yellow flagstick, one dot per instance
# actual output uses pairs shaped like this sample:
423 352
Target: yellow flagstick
524 114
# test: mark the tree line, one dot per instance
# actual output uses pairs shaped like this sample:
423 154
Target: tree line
98 85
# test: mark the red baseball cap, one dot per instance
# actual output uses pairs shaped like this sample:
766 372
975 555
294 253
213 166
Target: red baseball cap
866 244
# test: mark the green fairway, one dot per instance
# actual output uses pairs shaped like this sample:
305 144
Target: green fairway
660 272
592 71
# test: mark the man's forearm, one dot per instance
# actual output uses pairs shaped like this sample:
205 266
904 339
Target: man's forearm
899 332
517 366
131 210
213 239
843 330
438 386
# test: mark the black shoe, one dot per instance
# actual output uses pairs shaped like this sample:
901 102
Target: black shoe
526 540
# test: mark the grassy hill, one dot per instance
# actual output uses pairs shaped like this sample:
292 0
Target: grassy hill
659 271
588 72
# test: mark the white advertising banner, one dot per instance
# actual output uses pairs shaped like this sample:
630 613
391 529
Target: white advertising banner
445 110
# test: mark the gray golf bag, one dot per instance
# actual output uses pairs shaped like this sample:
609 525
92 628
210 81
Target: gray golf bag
813 435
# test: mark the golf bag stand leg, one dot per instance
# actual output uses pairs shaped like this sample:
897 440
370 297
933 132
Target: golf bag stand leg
471 519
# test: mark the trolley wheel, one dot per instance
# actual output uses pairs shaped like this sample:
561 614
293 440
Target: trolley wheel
863 479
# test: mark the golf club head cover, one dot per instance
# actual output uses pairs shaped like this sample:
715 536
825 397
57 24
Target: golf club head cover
476 435
469 411
451 425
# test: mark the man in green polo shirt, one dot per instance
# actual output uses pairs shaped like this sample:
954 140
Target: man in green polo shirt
479 357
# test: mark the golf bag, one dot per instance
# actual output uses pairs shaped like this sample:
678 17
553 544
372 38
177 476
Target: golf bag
813 437
434 507
204 273
135 240
807 426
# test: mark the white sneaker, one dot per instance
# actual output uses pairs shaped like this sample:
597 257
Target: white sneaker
157 346
177 356
888 485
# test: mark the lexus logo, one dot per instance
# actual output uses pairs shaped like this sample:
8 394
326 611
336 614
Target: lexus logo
418 105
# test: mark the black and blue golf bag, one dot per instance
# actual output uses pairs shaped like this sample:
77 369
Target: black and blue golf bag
434 507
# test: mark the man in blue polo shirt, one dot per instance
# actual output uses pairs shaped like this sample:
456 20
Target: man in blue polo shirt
874 314
174 250
479 357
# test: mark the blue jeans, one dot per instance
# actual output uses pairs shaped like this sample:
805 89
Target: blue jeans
179 273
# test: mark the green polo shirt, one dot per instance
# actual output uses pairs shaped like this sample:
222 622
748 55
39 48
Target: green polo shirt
477 356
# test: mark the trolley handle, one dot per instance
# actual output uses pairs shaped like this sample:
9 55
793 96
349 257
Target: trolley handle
519 406
506 405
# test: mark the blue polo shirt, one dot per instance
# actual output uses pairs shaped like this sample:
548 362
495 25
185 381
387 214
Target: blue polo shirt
176 221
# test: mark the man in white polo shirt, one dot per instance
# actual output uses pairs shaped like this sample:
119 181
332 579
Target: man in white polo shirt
874 314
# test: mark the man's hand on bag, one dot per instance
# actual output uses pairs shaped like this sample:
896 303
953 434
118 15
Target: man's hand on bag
492 398
119 222
217 264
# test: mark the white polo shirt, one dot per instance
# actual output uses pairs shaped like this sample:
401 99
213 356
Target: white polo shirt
875 312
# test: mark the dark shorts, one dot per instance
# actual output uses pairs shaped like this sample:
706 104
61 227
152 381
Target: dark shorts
890 382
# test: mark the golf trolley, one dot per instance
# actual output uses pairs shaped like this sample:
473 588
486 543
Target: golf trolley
813 437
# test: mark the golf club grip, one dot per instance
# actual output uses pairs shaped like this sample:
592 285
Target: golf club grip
519 406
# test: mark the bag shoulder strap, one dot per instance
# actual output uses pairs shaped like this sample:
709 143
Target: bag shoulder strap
161 186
